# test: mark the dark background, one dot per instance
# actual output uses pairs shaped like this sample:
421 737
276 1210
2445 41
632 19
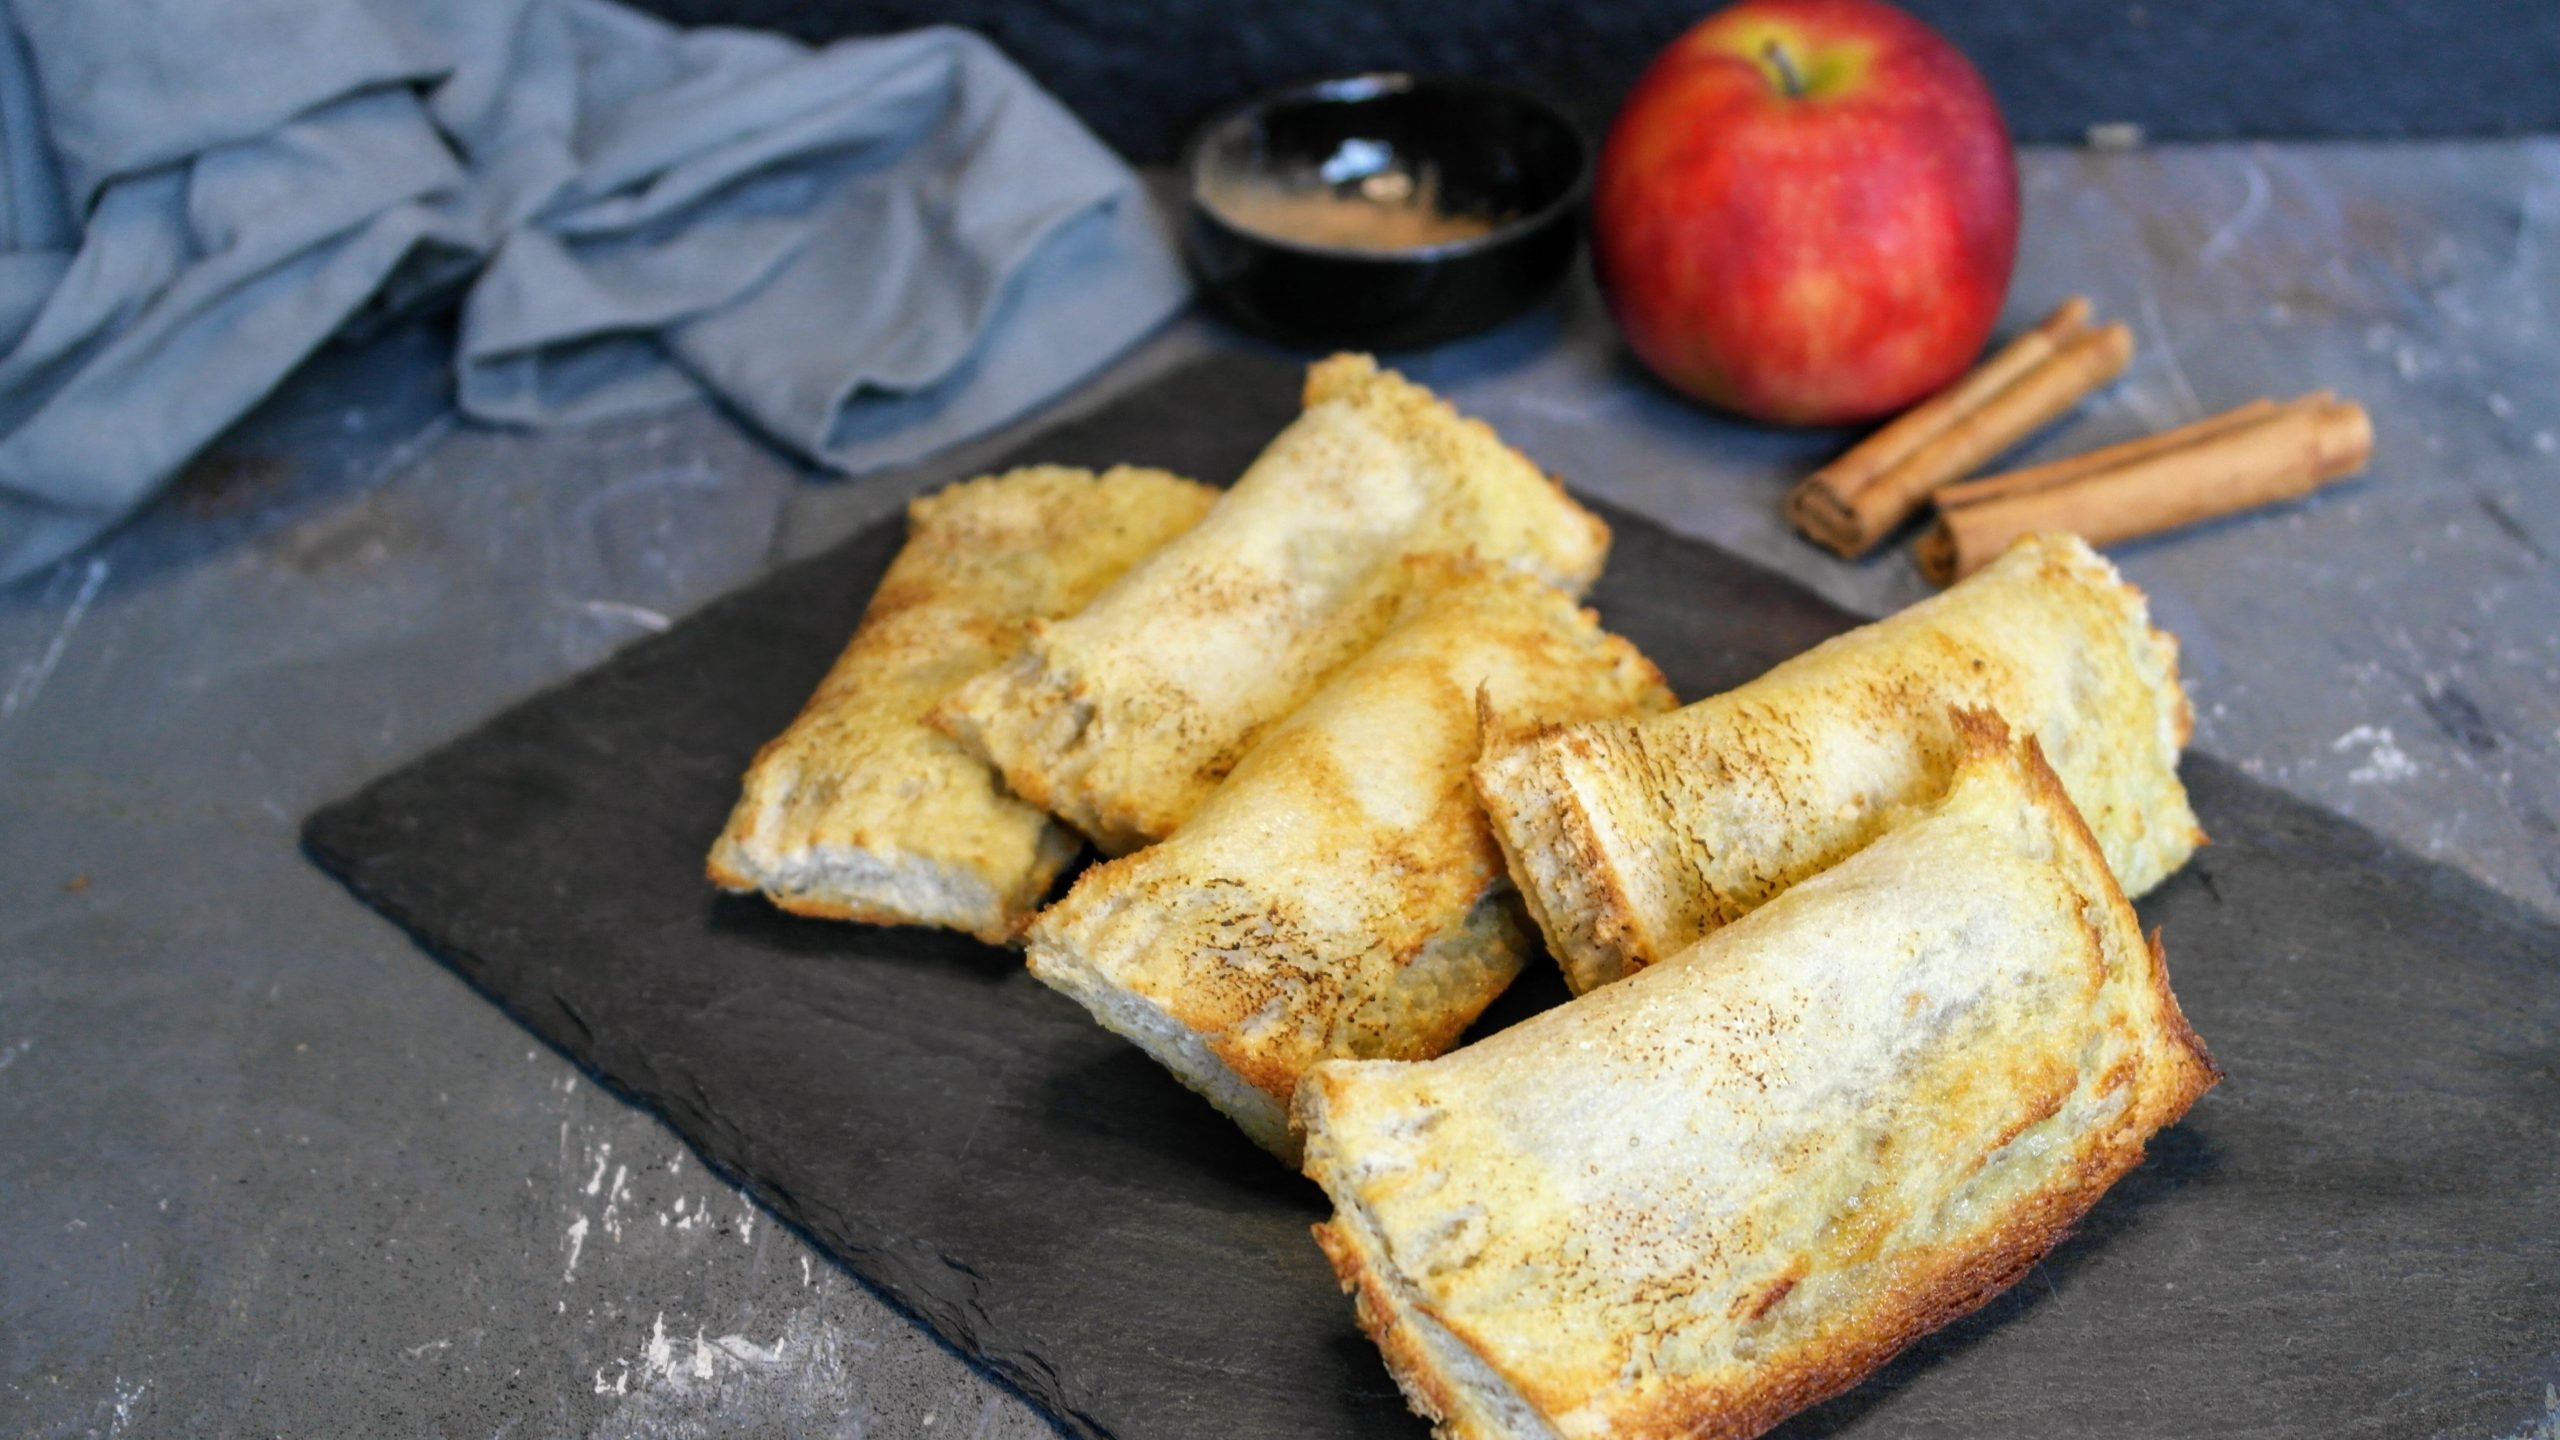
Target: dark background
1142 72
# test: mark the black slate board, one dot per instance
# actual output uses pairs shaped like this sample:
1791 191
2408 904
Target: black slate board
2357 1234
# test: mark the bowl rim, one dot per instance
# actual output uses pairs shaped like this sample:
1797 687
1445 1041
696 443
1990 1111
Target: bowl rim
1360 85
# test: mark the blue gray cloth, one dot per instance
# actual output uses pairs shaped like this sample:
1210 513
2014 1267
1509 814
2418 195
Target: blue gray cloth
870 251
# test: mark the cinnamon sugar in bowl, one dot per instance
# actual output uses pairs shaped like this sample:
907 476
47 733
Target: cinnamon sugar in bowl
1383 211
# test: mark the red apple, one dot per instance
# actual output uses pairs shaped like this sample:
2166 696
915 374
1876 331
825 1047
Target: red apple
1807 211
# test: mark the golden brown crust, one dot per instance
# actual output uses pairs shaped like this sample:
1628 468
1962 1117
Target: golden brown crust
1949 1282
1406 1358
1986 731
1949 1287
1123 718
1341 894
1635 840
2204 1074
1553 852
1762 1168
858 811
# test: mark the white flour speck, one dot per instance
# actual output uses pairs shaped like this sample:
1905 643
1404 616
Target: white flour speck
660 1356
613 1202
2384 761
604 1156
577 1242
125 1401
667 1366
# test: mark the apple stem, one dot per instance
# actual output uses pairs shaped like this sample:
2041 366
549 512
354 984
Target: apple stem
1786 68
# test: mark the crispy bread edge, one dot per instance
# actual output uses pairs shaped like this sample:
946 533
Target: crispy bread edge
2021 1237
1396 1325
2141 637
1161 1035
1408 1362
1000 922
1555 859
997 922
1964 1283
999 906
2197 1072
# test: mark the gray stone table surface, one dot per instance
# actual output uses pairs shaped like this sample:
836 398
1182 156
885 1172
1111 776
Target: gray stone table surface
267 1170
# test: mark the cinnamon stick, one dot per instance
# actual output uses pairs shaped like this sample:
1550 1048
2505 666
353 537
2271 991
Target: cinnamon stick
2256 455
1897 438
1857 499
2064 471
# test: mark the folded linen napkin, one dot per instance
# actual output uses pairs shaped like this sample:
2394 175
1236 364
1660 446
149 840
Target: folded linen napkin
871 250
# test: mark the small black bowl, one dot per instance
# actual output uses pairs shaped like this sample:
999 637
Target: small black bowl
1511 164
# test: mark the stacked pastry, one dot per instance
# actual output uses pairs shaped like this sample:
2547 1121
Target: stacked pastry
1865 1020
1635 839
1340 894
1730 1185
1124 718
861 812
